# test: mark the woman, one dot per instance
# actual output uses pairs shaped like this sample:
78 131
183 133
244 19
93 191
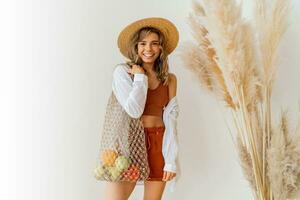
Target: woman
150 96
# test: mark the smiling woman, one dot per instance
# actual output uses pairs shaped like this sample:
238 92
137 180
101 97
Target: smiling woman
147 92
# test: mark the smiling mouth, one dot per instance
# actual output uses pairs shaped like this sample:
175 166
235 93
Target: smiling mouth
148 55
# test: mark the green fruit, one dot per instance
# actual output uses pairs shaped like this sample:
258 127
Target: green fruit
122 163
99 171
114 173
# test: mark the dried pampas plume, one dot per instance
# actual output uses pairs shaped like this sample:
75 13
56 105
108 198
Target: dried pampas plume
200 57
246 163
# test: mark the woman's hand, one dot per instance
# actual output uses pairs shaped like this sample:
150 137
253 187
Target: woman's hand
136 69
168 176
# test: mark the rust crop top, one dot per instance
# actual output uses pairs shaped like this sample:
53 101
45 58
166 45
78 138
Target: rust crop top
156 100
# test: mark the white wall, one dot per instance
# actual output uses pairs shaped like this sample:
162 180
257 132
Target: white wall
63 56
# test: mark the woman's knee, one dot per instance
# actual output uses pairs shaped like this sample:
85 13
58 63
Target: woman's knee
119 190
154 190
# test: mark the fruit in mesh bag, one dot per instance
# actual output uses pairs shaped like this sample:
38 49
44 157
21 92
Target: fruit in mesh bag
122 163
132 173
108 157
114 173
99 172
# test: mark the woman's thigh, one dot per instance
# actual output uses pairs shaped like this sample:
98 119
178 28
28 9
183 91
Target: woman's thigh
119 190
153 190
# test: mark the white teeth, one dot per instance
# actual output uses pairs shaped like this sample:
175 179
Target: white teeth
148 55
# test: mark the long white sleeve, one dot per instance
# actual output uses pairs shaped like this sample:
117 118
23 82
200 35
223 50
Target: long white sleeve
170 140
130 94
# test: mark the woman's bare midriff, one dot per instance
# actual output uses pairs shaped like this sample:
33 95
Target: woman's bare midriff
152 121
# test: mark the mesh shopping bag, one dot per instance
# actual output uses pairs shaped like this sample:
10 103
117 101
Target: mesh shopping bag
123 153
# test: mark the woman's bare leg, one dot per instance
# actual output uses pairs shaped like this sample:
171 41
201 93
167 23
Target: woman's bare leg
119 190
153 190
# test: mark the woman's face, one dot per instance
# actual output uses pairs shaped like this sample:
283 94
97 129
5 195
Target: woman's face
149 48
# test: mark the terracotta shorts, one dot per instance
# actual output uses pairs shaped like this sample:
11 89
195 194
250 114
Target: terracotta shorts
154 138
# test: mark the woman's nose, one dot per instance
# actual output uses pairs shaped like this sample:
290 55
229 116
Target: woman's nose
148 47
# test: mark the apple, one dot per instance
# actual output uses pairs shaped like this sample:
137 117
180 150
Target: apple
132 173
114 173
122 163
98 172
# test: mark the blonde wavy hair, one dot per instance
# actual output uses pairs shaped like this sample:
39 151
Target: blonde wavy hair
161 65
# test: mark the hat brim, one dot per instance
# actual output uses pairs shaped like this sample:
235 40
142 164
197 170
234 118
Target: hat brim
167 28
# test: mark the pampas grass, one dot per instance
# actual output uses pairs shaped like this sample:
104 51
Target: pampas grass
284 161
238 67
246 163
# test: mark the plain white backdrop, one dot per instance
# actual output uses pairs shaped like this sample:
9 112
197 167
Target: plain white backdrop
59 55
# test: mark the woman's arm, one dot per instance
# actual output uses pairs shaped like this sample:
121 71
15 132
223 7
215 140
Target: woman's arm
172 86
130 94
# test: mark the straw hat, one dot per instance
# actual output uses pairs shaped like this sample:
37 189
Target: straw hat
167 28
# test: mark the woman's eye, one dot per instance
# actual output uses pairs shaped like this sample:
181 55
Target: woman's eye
152 44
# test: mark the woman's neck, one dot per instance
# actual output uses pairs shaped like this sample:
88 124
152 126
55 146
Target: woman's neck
149 68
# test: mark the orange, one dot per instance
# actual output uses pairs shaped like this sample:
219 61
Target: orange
108 157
